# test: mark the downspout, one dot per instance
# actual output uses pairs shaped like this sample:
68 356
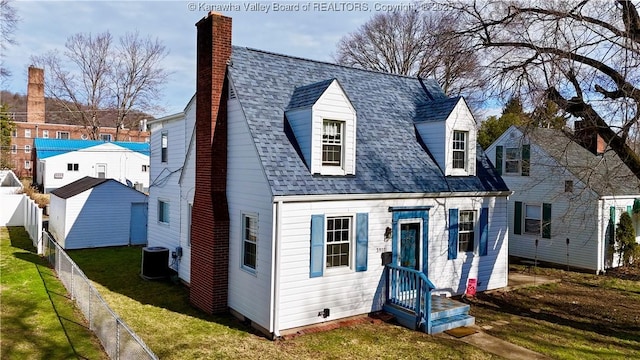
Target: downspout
275 260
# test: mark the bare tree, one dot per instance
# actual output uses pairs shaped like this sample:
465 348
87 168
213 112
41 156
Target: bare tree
8 24
415 43
582 56
94 76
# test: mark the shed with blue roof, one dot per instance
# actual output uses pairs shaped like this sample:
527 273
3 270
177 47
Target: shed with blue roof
324 192
59 162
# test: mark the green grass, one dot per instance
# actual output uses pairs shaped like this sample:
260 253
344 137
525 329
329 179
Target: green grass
38 320
160 313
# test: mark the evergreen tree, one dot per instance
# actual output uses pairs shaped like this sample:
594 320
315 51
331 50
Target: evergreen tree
493 127
626 240
6 128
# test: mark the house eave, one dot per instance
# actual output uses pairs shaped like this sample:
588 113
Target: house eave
386 196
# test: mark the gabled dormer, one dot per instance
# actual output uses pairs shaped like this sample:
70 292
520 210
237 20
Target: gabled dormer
323 121
448 129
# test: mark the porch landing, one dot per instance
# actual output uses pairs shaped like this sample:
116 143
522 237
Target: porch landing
446 314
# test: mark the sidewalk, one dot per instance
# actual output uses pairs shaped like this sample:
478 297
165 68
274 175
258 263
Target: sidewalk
500 347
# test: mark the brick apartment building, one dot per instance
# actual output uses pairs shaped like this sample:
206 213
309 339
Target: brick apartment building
36 126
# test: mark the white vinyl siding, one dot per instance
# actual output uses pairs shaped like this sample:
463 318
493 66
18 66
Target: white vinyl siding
354 293
248 192
576 215
121 164
176 187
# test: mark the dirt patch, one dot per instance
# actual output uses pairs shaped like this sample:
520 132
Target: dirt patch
600 303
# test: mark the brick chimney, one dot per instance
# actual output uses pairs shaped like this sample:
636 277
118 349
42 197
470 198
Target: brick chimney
35 96
588 137
210 218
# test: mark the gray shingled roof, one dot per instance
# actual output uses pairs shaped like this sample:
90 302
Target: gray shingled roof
389 156
436 110
304 96
605 174
78 186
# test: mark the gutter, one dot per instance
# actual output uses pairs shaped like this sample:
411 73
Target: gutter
386 196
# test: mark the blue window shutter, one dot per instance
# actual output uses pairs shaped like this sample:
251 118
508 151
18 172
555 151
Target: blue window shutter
317 246
362 241
499 152
526 159
546 221
484 231
517 218
453 234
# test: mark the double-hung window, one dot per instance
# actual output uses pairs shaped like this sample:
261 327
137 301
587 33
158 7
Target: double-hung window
27 133
338 241
512 161
73 167
466 233
459 147
45 134
27 149
332 142
249 241
14 149
164 145
532 219
105 137
62 135
163 212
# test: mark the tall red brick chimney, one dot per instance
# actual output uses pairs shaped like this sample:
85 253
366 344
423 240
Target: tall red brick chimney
210 218
588 137
35 96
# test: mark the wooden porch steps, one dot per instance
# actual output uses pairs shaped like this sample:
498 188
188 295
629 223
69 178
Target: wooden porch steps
446 314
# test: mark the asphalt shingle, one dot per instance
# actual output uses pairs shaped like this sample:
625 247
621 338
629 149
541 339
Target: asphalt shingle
389 156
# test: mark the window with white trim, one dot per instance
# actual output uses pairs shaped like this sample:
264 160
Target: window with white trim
14 149
249 241
338 241
163 212
73 167
512 161
27 149
164 146
27 164
45 134
466 231
14 133
459 147
145 168
62 135
27 133
532 219
105 137
332 142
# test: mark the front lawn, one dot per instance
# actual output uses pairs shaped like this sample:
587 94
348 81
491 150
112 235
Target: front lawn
38 320
160 313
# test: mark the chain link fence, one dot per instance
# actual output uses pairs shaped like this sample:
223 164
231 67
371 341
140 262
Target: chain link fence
118 340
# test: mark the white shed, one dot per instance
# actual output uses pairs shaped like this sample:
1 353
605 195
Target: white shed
95 212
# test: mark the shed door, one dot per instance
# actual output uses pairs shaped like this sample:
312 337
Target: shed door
101 171
138 225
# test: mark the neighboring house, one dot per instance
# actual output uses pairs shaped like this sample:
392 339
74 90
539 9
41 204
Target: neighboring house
9 182
60 162
93 212
569 192
35 125
310 177
172 185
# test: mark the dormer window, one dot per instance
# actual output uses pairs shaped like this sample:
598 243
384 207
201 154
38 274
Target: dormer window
332 142
460 149
323 122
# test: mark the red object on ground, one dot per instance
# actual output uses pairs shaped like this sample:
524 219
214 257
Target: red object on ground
471 288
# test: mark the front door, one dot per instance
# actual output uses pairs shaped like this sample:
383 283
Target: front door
410 240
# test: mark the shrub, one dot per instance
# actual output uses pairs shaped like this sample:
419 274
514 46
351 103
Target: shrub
626 240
